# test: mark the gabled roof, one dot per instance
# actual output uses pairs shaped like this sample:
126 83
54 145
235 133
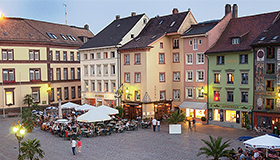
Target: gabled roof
245 28
269 36
26 30
201 28
113 33
156 28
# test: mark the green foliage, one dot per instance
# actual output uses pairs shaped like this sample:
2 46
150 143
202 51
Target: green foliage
28 99
267 107
203 119
30 149
120 109
247 121
175 117
215 149
28 119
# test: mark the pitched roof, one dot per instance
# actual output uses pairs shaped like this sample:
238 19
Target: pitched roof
26 30
269 36
113 33
245 28
201 28
156 28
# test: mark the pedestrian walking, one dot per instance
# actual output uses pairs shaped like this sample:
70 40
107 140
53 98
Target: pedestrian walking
154 124
190 125
73 144
79 146
194 125
158 125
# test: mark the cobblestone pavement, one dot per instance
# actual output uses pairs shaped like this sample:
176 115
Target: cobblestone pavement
143 144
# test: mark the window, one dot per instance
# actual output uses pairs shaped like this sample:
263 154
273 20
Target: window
86 70
176 94
199 94
73 94
98 55
162 95
176 57
50 56
78 56
65 73
220 60
78 73
92 70
195 44
36 94
71 56
189 93
161 45
105 69
270 68
9 94
137 95
244 78
217 78
269 104
79 91
8 75
93 86
229 96
58 93
63 36
127 77
230 116
243 59
161 77
161 58
113 86
199 58
105 55
51 74
216 95
189 59
52 95
7 54
270 85
85 56
72 73
106 86
200 76
35 74
189 76
99 69
99 87
199 42
126 59
86 85
137 77
137 58
34 55
112 54
176 76
64 56
66 93
244 97
175 43
92 56
235 40
57 55
58 75
113 69
190 43
230 78
270 53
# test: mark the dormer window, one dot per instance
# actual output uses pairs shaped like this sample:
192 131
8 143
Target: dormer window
132 36
118 25
69 37
73 38
275 37
160 22
63 36
50 35
54 36
172 24
235 41
262 38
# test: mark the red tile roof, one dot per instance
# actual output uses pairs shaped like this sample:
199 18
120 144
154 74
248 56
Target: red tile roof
246 28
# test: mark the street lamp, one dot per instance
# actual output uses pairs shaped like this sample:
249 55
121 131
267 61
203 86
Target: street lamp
19 131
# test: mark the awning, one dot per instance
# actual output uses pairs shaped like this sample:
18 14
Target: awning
193 105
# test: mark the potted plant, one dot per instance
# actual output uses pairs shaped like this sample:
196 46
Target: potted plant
28 119
247 122
31 149
203 119
267 107
173 119
269 72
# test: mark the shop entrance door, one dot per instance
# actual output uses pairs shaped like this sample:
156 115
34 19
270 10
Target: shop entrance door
131 112
160 111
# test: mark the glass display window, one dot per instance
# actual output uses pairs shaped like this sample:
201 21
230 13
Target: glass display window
216 114
199 113
230 116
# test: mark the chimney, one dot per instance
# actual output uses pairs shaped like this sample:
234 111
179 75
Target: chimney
117 17
133 14
234 11
227 9
175 11
86 26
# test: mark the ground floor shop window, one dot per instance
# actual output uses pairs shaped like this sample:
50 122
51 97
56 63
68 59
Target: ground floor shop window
217 114
199 113
189 112
264 122
230 116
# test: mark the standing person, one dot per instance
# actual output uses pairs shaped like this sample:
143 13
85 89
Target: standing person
154 124
194 125
74 144
158 125
190 125
79 146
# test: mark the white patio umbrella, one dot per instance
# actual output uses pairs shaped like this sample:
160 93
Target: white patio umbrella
93 116
265 141
62 121
69 105
84 107
52 108
106 110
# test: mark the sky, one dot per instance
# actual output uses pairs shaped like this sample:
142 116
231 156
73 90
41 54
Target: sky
99 13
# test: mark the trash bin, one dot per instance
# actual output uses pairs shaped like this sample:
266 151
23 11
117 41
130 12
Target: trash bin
275 130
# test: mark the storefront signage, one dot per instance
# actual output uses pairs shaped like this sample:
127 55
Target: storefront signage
99 95
231 61
233 107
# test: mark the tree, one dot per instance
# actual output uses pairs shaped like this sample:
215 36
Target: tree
175 117
215 149
120 109
28 99
30 149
